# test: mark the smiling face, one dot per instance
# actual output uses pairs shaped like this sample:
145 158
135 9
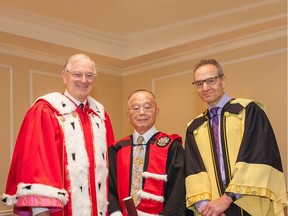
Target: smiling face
78 88
210 93
142 111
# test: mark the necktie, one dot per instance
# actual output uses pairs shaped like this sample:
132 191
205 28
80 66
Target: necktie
215 127
138 161
81 105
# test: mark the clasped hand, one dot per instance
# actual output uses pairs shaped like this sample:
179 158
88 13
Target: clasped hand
217 207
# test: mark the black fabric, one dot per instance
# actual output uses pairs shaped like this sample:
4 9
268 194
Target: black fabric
174 195
258 145
113 193
234 210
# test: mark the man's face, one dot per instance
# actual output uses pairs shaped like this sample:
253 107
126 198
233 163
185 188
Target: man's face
210 92
79 88
142 111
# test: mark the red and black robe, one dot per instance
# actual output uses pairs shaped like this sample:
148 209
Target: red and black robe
163 176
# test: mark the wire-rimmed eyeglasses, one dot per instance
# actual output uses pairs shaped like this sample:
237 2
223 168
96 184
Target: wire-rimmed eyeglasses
77 75
147 108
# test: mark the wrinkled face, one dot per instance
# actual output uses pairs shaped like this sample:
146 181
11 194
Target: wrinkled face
79 88
210 92
142 111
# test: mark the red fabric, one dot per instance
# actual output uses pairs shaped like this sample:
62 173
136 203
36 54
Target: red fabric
123 171
157 165
35 152
109 131
92 163
39 157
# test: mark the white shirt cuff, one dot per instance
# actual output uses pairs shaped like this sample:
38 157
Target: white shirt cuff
36 211
200 204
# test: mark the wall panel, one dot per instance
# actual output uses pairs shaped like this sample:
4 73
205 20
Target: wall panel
6 131
44 82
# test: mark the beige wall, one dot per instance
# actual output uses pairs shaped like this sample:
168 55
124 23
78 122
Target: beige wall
258 71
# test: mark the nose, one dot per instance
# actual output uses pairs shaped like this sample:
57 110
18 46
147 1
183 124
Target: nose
205 86
83 78
141 110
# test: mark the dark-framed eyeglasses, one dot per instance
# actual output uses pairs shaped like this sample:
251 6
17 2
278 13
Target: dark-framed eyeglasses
209 81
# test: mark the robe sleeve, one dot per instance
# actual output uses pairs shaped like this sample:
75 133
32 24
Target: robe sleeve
175 189
37 164
258 173
114 204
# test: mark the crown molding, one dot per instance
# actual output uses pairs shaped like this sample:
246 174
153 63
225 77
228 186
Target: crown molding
177 58
212 49
23 52
142 43
55 31
149 41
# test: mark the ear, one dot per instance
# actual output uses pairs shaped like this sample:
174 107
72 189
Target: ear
128 113
223 81
64 77
157 112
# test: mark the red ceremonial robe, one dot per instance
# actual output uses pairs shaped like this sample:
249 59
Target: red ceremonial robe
60 158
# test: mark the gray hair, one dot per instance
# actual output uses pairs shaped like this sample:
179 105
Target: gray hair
142 90
76 58
206 62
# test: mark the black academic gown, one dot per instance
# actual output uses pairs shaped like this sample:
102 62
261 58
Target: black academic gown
251 158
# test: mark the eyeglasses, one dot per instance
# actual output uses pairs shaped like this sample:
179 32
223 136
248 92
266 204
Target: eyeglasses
147 108
77 75
209 81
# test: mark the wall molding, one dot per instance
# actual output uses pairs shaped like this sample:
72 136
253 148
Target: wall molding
212 49
125 47
44 73
6 213
208 50
234 61
11 104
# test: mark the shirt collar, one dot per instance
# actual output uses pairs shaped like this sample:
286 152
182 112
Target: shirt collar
146 135
66 93
225 98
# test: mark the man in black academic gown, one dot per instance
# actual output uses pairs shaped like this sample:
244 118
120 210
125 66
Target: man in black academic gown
233 168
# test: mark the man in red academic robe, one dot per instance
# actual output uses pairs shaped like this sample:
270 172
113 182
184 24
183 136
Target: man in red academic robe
60 162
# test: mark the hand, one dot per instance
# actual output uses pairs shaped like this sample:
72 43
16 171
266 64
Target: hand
217 207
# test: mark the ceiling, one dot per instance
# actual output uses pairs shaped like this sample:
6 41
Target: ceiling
131 32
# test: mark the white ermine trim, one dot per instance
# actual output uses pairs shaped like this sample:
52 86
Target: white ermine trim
78 162
155 176
145 195
9 200
24 189
100 152
59 102
64 105
96 107
140 213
